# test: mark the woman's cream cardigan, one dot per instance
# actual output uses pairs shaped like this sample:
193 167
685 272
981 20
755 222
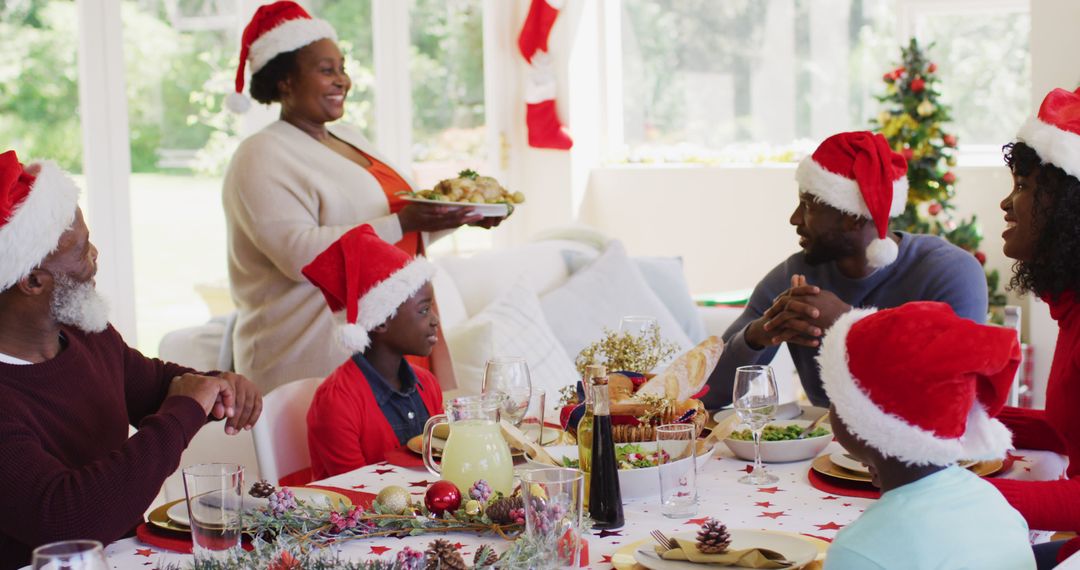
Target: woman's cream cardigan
287 198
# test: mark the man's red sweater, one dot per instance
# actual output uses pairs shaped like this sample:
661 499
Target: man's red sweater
346 427
67 467
1052 505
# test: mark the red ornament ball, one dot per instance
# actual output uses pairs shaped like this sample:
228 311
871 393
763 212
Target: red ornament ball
918 85
949 140
931 68
948 177
442 496
934 209
981 257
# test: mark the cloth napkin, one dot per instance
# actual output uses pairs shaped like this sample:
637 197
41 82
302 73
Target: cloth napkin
746 558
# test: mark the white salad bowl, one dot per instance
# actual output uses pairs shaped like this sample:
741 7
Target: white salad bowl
782 451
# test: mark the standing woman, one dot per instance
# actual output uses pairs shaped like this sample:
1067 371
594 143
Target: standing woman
1042 216
294 188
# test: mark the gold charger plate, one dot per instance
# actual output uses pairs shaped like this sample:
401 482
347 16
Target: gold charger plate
623 559
159 517
825 466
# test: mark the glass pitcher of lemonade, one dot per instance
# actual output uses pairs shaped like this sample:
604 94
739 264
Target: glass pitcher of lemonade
475 448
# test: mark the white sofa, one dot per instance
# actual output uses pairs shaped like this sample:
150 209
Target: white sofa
525 301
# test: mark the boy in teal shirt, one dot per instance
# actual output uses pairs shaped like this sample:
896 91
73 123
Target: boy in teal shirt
913 391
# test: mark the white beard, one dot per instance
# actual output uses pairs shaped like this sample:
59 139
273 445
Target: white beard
79 305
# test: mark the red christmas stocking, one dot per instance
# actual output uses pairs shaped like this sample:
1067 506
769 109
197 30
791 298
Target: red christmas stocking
545 130
537 27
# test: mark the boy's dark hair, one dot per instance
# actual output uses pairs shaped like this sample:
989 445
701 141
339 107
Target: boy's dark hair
1055 266
264 83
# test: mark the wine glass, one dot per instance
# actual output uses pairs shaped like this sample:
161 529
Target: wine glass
70 555
755 399
642 327
510 376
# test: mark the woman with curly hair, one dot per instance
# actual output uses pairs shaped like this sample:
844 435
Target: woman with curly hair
1042 215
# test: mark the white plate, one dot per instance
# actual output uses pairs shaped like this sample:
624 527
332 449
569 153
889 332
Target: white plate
782 451
488 210
796 550
788 411
178 513
842 459
633 483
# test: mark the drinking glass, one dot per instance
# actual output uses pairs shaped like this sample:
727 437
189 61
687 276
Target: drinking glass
70 555
509 376
676 445
215 501
755 399
553 511
637 325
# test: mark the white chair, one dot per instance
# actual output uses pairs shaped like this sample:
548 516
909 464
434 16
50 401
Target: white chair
281 445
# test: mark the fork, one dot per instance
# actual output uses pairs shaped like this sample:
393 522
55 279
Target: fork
663 540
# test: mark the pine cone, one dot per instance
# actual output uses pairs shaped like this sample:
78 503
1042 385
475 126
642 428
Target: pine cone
499 510
262 489
441 555
485 556
713 538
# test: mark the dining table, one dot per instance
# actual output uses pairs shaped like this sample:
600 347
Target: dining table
792 505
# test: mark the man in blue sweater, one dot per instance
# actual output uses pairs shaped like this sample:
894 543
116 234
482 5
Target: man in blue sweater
848 190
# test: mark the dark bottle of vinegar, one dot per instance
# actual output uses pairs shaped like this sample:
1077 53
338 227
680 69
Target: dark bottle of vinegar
605 498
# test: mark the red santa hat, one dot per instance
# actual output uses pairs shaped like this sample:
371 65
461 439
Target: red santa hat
365 280
34 212
275 28
919 383
859 174
1055 132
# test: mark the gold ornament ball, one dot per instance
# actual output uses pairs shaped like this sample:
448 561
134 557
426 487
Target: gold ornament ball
926 108
472 508
394 498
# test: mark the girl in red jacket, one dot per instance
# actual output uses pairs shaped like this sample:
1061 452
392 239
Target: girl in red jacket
376 400
1042 234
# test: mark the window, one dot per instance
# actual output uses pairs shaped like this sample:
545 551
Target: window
754 80
39 103
985 66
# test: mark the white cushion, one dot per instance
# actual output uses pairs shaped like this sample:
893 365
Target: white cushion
451 308
511 325
599 295
485 276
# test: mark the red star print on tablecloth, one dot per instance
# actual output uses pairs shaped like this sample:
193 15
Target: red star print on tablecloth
765 504
605 559
769 490
458 546
830 498
774 515
147 552
359 486
829 526
1010 456
698 522
825 538
607 533
422 483
384 471
379 550
748 469
846 505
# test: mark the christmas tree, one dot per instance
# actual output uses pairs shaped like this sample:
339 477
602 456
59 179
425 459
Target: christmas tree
912 121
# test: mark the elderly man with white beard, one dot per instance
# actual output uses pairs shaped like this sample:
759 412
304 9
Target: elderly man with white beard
70 386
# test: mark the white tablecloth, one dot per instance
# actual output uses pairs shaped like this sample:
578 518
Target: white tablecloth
791 505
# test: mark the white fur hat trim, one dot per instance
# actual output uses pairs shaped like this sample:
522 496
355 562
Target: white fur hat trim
288 36
33 231
382 301
984 438
1058 147
843 193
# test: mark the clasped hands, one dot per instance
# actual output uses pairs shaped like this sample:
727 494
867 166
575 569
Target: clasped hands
229 396
799 315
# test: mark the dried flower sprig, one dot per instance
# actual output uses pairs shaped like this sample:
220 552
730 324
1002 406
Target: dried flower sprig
627 351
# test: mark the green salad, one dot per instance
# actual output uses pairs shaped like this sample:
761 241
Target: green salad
779 433
627 456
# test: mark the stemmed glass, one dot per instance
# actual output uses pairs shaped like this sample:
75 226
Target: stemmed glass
510 376
755 399
640 326
70 555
